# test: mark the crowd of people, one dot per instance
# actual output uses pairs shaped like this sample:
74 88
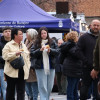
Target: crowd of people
72 60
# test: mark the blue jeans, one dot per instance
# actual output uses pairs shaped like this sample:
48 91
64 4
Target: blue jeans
72 88
45 83
91 92
32 89
3 84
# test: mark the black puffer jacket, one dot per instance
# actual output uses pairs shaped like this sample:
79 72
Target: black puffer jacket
36 55
72 64
2 44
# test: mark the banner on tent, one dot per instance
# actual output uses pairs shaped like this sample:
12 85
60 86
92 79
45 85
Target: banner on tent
49 24
13 24
27 24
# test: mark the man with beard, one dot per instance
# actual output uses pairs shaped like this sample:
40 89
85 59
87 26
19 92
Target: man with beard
95 73
86 44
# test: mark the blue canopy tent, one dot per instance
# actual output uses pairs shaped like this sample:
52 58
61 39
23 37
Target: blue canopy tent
25 14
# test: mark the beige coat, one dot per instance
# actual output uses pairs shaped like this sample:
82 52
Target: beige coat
9 53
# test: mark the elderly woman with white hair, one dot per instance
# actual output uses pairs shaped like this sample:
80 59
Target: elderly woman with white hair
31 83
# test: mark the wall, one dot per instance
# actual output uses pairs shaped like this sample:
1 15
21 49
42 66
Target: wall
88 7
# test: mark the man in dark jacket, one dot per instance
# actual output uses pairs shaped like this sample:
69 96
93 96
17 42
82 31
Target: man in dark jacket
6 37
61 79
95 73
96 60
86 44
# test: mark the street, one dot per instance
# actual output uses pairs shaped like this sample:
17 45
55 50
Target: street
54 96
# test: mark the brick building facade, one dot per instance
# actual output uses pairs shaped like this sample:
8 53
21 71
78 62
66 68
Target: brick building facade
88 7
91 8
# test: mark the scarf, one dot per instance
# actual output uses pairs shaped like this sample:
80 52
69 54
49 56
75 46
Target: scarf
45 58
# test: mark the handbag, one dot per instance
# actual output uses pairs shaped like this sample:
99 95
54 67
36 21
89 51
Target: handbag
17 63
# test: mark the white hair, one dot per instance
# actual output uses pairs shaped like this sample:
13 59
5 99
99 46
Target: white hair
32 33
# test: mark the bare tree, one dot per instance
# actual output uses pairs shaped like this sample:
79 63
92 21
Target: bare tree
50 5
39 2
75 3
47 5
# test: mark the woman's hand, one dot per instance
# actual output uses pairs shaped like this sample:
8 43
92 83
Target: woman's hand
18 53
48 50
42 48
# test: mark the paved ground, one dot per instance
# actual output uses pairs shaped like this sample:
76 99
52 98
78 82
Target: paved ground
54 96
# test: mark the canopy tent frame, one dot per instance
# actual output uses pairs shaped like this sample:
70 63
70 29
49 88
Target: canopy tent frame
25 14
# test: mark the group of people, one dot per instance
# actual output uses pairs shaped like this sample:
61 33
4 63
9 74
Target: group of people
37 74
80 59
71 60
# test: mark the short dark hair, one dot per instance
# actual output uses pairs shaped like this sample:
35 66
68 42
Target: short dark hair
55 39
6 28
15 32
